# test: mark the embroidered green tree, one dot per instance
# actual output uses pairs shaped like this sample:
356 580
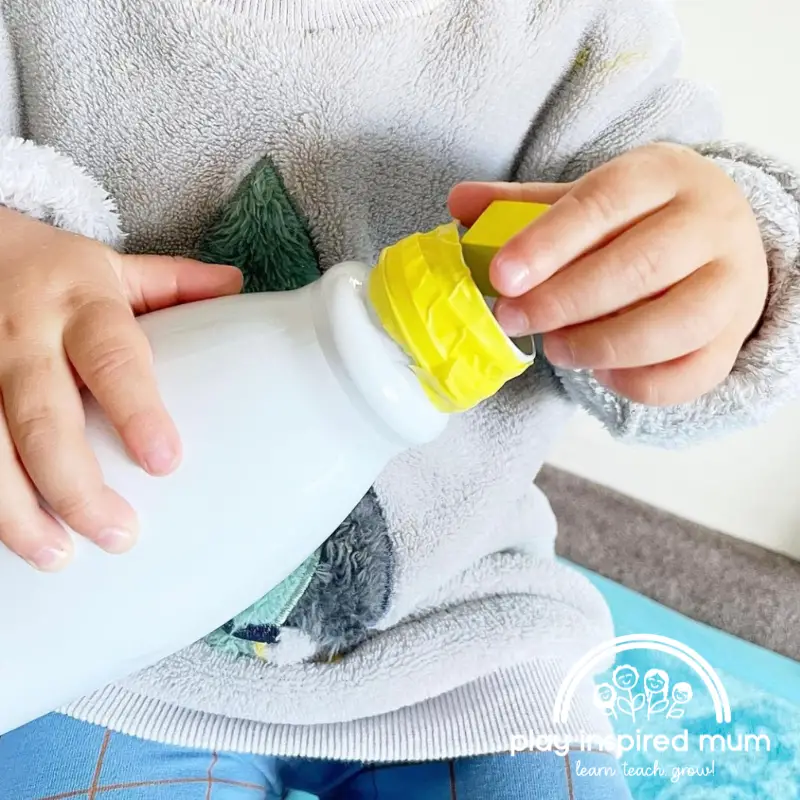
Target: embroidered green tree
262 232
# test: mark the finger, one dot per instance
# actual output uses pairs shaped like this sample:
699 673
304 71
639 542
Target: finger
599 207
24 528
681 380
683 319
467 201
112 355
641 262
153 282
45 420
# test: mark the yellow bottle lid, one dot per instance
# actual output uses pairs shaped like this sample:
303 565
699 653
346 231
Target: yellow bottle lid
428 302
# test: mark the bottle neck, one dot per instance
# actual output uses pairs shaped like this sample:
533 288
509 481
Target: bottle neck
373 368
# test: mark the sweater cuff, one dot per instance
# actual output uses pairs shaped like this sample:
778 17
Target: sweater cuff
767 372
37 181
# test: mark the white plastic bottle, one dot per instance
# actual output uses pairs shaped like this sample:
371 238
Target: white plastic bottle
289 405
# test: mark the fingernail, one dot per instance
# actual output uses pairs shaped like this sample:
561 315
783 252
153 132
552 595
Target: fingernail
516 277
224 276
115 540
50 559
604 376
228 271
559 351
160 458
513 320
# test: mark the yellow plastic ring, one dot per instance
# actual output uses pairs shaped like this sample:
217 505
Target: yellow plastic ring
428 302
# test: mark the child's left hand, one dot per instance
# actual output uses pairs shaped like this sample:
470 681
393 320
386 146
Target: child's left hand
650 271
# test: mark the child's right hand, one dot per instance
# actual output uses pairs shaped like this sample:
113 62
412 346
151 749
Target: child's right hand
67 308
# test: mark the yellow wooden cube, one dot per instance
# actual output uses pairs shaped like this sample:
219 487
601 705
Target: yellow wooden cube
501 221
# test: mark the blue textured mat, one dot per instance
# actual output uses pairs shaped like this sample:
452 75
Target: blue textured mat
756 755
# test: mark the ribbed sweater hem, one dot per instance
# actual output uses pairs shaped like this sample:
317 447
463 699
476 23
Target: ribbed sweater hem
310 15
480 718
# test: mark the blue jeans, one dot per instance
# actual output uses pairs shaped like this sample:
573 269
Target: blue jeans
57 758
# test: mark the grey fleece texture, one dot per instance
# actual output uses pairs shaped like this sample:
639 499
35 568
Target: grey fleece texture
350 589
372 110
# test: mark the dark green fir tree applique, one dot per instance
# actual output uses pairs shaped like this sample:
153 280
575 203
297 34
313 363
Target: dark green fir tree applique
261 232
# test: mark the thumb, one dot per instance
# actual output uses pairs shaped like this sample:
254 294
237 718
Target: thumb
153 282
467 201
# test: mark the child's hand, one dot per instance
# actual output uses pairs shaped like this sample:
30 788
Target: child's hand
67 311
650 271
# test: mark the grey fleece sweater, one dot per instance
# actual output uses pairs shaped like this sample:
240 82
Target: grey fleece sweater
452 622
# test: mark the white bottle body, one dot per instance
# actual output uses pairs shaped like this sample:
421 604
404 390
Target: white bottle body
289 405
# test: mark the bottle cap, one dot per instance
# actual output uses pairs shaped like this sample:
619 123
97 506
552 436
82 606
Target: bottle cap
428 302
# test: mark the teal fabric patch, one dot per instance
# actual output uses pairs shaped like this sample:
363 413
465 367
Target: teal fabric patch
756 755
268 613
278 604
